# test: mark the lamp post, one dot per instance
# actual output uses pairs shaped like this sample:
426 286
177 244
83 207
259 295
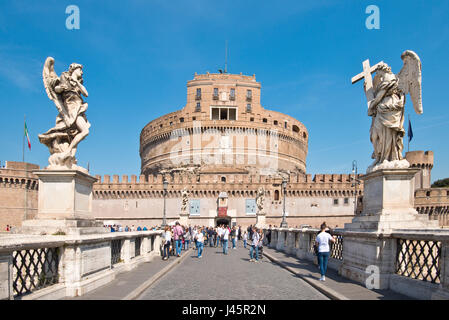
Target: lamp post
284 221
165 184
356 182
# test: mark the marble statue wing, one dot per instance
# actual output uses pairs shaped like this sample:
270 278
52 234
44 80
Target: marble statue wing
51 79
410 79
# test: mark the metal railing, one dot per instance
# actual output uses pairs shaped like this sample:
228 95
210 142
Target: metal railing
34 269
137 243
116 251
419 259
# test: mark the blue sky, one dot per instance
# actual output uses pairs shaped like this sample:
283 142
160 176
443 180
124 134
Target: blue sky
138 56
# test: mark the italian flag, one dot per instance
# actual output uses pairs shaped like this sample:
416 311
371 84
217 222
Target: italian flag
28 137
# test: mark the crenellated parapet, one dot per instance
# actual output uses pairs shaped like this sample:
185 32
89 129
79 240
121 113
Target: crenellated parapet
433 202
19 175
210 185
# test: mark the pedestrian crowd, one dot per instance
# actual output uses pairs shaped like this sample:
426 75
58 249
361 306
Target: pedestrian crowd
120 228
177 238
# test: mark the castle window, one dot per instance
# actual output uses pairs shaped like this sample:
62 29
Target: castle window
264 120
248 107
198 94
193 118
346 201
160 126
232 94
304 135
198 107
223 179
171 122
181 119
223 113
276 195
428 194
250 206
295 128
285 124
194 207
215 97
251 119
249 95
275 122
335 202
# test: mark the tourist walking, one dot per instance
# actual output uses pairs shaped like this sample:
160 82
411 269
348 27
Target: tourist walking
269 235
210 235
261 240
233 237
239 233
166 242
194 236
245 239
254 246
220 235
177 236
322 241
200 242
187 238
225 236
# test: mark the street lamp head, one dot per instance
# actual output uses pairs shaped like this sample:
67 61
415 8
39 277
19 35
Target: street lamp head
284 184
165 184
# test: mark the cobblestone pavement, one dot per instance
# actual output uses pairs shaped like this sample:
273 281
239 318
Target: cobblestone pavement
229 277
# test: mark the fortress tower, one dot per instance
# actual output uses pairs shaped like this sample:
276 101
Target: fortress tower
422 160
223 128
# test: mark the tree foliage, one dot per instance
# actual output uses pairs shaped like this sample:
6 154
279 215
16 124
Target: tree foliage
442 183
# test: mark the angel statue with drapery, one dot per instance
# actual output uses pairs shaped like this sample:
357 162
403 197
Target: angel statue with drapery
71 126
386 95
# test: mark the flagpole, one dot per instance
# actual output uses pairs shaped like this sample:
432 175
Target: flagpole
23 140
408 147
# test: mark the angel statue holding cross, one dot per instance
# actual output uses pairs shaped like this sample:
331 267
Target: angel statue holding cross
71 126
386 101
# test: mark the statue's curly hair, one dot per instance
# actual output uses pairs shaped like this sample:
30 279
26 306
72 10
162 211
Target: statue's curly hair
384 67
75 66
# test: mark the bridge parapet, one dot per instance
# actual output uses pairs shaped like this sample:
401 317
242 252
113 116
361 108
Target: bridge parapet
58 266
411 262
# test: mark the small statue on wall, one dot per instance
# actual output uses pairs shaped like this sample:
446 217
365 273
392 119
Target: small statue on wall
185 200
260 198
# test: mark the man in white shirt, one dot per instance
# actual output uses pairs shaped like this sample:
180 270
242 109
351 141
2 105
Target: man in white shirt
225 233
200 242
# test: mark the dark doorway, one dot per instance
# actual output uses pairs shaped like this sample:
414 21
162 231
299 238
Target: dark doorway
220 221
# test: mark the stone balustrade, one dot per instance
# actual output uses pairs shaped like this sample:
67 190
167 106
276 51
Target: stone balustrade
412 262
58 266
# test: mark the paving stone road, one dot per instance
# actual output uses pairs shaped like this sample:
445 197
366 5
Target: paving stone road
229 277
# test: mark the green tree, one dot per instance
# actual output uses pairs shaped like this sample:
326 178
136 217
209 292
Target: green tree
442 183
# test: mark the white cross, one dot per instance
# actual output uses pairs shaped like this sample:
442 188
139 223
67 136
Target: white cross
366 74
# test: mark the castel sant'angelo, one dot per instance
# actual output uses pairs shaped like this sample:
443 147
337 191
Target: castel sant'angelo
224 159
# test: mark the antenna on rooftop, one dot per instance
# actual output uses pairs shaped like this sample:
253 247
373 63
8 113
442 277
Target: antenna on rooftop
226 58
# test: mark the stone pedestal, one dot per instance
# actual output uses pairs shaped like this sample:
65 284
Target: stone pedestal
64 204
260 222
388 203
184 218
369 252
